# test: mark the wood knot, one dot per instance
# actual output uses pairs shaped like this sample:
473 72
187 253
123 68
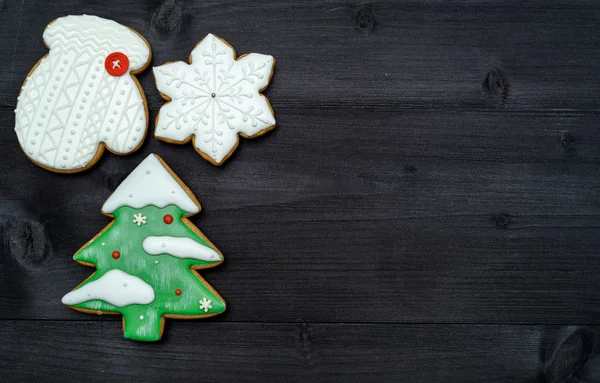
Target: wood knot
304 333
567 141
495 83
410 169
169 17
27 241
570 356
501 220
365 20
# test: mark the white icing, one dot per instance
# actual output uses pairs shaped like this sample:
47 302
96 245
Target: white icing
139 219
150 184
115 287
205 304
179 247
70 103
214 98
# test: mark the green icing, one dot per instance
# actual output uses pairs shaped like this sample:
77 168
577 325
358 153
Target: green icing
165 277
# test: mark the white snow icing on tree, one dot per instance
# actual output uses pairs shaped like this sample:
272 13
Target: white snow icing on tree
214 98
179 247
115 287
150 184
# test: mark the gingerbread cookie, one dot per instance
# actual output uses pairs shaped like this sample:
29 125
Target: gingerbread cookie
214 98
146 259
81 96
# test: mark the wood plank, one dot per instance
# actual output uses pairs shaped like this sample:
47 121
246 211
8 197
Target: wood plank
428 226
459 269
538 55
94 351
467 237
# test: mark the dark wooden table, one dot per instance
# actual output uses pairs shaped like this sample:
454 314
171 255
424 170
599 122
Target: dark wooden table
427 209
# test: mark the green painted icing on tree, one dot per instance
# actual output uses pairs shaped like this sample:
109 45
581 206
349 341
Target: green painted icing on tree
164 273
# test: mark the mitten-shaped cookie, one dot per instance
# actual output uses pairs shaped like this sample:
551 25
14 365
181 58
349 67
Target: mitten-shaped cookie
82 96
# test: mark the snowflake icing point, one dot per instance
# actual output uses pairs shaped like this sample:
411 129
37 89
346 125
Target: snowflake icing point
205 304
214 98
139 219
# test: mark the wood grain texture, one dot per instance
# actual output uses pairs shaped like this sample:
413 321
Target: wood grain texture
508 241
428 206
95 351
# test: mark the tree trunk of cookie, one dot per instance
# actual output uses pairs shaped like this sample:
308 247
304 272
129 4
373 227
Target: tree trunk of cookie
144 324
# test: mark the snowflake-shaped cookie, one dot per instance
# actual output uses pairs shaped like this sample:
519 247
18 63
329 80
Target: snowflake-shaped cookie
139 219
214 98
205 304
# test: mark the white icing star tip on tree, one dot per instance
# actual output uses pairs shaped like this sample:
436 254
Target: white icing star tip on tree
152 182
214 98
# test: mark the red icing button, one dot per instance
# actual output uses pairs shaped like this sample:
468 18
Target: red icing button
168 218
116 254
116 64
177 292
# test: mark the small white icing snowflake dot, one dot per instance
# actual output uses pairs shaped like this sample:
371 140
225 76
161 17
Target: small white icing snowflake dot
139 219
205 304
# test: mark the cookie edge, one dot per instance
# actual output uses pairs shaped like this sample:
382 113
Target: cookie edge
101 146
192 137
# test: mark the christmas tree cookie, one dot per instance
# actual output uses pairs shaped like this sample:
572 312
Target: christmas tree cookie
82 96
214 98
146 259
